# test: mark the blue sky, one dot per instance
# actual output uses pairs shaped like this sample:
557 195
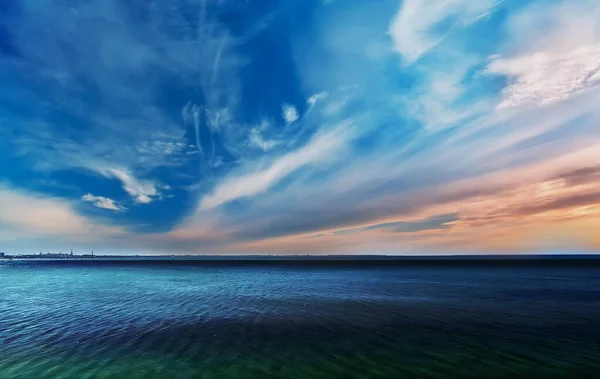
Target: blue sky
339 126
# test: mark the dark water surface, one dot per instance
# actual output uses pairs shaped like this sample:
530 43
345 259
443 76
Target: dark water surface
133 320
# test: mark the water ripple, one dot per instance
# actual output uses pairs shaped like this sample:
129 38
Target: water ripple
253 322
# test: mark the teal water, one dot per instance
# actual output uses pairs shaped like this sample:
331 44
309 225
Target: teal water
133 320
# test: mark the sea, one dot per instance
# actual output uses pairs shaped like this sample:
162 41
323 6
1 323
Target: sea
179 319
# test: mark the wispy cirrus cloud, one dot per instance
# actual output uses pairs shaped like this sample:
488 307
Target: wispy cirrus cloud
142 191
432 223
256 139
397 182
252 183
421 25
561 59
103 202
99 105
522 209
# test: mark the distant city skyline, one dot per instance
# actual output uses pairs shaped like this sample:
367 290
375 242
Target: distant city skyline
232 127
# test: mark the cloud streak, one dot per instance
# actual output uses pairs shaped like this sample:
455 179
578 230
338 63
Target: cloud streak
415 28
142 191
320 148
103 202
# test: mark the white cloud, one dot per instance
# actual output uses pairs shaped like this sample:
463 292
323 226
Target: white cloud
142 191
25 212
436 96
149 149
256 139
413 28
289 113
217 162
191 115
321 147
544 78
143 199
218 119
553 53
102 202
433 103
312 101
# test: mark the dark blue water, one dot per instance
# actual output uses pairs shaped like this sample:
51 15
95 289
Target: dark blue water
92 320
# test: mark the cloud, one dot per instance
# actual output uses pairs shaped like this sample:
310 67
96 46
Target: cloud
415 28
395 173
96 94
249 184
218 119
313 99
39 215
429 37
289 113
511 210
557 56
393 185
583 175
191 114
544 78
102 202
148 149
432 223
431 126
142 191
257 140
436 102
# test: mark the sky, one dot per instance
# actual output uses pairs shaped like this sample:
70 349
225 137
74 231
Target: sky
300 126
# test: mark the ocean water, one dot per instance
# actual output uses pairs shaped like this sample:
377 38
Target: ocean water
137 320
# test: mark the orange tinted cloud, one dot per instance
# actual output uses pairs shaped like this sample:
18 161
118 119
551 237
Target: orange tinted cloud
547 206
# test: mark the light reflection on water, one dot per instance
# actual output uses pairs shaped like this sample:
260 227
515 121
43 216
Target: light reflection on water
155 321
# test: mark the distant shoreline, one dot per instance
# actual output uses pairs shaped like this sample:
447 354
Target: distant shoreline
328 260
310 257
